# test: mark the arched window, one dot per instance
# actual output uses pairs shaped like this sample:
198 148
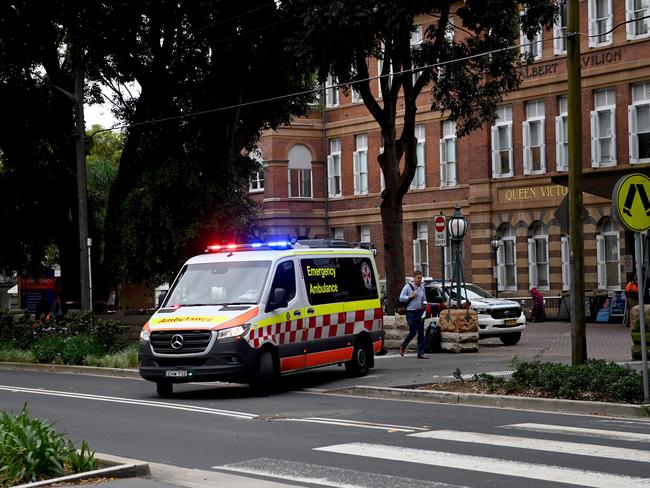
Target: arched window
257 178
538 256
300 159
507 259
608 248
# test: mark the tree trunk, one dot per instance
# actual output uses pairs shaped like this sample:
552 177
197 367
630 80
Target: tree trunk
391 217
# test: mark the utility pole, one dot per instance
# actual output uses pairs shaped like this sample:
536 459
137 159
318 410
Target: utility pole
82 190
576 232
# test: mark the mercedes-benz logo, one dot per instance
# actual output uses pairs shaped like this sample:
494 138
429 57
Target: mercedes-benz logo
177 341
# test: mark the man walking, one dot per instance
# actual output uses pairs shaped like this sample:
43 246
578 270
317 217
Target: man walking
414 295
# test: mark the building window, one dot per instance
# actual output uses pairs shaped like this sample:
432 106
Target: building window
364 233
560 29
507 259
502 143
603 129
419 180
338 233
334 169
565 251
360 162
382 181
607 255
639 124
637 26
331 92
257 178
538 256
356 95
380 70
531 47
533 137
300 172
562 135
416 43
421 248
600 22
448 154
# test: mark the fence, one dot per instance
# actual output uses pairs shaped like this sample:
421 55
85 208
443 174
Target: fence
555 309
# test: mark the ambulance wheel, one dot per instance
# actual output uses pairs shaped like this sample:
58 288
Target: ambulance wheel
359 365
266 374
510 339
164 389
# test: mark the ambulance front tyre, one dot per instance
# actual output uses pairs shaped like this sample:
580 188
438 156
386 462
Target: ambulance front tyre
266 374
360 363
164 389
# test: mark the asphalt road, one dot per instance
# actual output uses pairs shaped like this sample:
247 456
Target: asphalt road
315 439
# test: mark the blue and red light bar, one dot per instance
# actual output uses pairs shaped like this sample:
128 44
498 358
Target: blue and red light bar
252 246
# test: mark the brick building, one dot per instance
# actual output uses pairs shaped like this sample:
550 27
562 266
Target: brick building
320 176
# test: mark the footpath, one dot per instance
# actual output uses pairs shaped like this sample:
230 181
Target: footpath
394 378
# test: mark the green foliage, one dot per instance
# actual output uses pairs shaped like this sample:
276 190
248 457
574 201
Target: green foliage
10 355
76 349
458 375
488 381
31 450
127 358
49 349
109 334
16 331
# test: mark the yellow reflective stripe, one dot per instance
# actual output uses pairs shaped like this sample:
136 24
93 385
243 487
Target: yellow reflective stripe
324 309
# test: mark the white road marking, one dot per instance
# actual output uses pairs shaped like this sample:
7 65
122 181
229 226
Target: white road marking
130 401
488 465
315 474
538 444
354 423
561 429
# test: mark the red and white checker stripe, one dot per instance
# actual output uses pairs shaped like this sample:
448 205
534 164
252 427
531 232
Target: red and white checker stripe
317 327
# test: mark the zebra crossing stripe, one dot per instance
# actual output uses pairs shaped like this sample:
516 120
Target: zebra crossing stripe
561 429
538 444
487 465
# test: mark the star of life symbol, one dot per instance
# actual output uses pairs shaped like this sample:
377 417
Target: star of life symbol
366 274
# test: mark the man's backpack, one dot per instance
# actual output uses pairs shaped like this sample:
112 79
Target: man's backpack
401 306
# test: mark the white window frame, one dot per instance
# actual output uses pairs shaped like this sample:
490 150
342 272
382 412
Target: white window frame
534 120
604 22
534 46
382 180
631 13
360 164
508 241
608 234
419 179
380 67
356 95
332 98
561 135
421 248
339 233
448 154
640 100
364 233
536 266
609 106
334 178
503 122
300 170
256 182
565 257
416 42
560 29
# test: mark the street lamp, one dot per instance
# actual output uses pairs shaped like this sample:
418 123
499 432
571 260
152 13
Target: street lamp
495 245
457 227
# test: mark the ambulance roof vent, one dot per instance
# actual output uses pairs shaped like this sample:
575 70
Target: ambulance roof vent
328 243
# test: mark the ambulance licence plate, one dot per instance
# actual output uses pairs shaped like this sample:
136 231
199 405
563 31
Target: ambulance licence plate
508 323
176 373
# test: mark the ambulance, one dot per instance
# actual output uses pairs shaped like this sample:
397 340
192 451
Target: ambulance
250 312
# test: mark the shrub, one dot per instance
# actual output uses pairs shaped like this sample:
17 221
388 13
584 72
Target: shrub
17 355
78 348
127 358
31 450
49 349
111 334
16 331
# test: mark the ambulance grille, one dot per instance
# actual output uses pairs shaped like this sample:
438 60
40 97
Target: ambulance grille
185 342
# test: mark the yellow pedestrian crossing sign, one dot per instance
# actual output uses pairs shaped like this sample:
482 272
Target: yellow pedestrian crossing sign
630 202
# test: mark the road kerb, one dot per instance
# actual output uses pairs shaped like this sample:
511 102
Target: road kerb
500 401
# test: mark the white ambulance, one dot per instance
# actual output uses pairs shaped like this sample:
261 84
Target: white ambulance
248 313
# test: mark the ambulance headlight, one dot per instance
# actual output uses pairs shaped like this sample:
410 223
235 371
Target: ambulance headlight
236 331
144 335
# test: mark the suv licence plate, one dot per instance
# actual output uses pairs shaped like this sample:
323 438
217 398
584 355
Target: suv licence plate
176 374
508 323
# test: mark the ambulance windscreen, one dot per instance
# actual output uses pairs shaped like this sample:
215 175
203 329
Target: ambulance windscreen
226 283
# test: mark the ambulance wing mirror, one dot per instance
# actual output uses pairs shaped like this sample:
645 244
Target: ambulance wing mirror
278 300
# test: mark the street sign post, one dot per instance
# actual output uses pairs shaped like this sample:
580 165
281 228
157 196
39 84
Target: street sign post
440 231
631 207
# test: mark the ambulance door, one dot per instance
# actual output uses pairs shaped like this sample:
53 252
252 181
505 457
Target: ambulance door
284 303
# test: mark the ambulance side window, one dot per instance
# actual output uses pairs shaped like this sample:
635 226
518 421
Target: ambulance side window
285 279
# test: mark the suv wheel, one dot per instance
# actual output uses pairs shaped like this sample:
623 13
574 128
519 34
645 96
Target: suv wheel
510 339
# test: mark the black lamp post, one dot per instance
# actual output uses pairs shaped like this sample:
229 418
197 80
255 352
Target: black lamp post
495 245
457 227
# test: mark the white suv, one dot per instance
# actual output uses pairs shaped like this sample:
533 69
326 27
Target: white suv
497 317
